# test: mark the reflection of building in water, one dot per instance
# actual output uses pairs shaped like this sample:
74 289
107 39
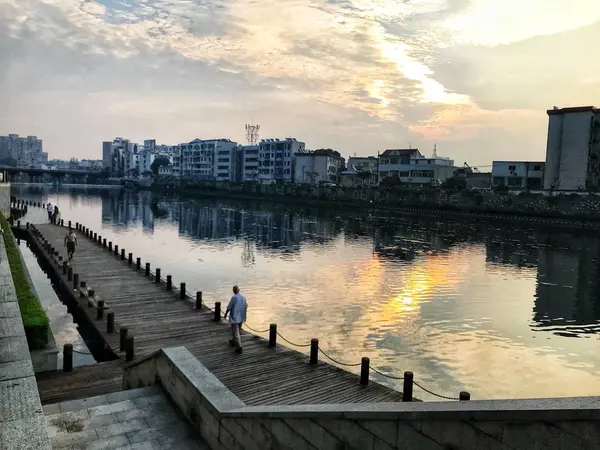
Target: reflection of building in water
128 208
568 289
405 241
268 229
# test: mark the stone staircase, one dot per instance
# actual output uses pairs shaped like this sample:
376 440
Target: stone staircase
129 420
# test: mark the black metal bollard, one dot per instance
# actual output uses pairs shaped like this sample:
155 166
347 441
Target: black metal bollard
69 224
147 269
18 224
182 291
116 249
110 322
122 337
273 335
314 351
364 370
67 357
217 316
100 310
129 348
69 274
130 258
91 293
75 280
157 276
83 284
110 246
95 236
122 254
198 299
104 243
138 263
464 396
407 391
62 222
65 267
169 283
27 225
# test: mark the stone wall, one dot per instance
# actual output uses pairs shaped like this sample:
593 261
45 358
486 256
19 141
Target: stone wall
5 198
227 424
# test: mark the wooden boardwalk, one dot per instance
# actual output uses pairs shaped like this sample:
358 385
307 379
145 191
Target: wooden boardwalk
158 318
82 382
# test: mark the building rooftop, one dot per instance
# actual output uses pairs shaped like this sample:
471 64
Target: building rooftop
576 109
401 152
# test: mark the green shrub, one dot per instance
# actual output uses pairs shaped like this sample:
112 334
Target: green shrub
35 319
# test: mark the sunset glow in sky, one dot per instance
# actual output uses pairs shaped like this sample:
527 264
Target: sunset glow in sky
473 76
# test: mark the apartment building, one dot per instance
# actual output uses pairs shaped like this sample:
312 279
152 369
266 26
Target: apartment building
212 159
117 156
250 165
318 166
411 167
362 163
573 149
24 151
518 174
276 159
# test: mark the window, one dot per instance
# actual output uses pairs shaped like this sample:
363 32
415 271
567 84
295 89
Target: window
537 167
498 181
515 181
512 167
405 161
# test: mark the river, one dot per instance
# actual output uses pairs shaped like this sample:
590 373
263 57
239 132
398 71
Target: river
501 311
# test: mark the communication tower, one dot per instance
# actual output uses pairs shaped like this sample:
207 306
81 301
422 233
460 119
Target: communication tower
252 134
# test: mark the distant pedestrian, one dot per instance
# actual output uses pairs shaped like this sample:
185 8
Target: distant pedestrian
237 316
70 242
55 215
50 210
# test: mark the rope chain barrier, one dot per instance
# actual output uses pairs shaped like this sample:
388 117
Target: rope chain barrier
222 314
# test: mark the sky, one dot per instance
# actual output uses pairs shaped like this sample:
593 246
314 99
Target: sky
474 77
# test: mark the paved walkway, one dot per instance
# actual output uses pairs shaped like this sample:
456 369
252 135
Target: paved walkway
22 424
135 419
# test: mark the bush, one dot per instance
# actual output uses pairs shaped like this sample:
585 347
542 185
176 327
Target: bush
35 319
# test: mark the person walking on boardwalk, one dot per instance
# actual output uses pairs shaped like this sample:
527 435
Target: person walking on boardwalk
55 216
237 316
70 242
50 209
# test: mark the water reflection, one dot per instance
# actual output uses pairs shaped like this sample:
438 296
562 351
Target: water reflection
487 308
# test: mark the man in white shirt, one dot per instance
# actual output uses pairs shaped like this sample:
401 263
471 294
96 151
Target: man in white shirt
50 210
237 316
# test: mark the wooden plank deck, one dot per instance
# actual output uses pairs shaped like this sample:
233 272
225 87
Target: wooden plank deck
157 318
82 382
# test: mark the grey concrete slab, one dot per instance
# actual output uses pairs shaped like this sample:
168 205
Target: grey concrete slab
146 445
121 428
14 349
105 444
11 326
19 399
174 430
15 369
25 434
9 309
111 408
51 409
74 405
143 401
132 394
81 438
159 420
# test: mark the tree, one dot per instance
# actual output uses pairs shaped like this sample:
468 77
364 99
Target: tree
161 161
311 175
456 183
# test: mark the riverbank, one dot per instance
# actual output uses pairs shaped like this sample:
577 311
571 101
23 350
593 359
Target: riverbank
572 210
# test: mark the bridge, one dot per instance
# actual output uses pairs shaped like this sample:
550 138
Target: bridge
36 175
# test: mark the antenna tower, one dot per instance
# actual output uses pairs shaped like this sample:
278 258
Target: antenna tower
252 134
435 150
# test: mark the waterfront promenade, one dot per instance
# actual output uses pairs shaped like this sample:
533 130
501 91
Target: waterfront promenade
156 316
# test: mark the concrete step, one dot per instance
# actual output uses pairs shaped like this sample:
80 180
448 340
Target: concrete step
137 419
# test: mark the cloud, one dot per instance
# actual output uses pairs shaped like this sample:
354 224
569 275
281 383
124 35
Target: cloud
433 69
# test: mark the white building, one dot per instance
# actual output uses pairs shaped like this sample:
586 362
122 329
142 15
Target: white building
212 159
518 174
250 163
276 158
147 157
319 166
573 149
116 156
411 167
